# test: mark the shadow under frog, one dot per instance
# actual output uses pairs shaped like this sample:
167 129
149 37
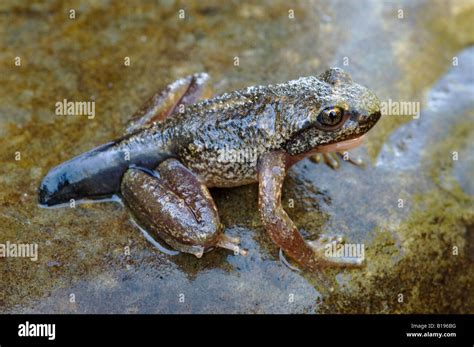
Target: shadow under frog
172 154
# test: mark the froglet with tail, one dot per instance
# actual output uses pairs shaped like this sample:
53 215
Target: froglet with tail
177 146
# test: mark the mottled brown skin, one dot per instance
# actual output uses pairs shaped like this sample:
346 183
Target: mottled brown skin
175 149
175 200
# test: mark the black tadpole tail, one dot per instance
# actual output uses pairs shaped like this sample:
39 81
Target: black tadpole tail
97 173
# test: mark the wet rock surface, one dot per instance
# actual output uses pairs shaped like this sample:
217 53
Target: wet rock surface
419 257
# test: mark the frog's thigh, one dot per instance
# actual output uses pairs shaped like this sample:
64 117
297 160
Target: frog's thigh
173 204
282 230
184 91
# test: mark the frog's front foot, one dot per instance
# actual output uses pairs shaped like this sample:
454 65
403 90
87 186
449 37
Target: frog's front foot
282 230
333 159
173 204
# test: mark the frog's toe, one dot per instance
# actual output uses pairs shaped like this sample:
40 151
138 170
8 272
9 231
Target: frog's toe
333 159
330 159
324 238
333 251
354 161
346 261
231 243
316 158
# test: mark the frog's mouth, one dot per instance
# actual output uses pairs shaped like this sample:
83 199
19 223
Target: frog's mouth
339 146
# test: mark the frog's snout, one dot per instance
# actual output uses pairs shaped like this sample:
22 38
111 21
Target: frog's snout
367 120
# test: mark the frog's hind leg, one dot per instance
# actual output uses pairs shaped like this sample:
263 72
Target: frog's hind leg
333 159
184 91
175 205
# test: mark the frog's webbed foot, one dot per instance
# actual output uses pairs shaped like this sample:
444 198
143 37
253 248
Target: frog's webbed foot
333 159
282 230
327 246
184 91
172 203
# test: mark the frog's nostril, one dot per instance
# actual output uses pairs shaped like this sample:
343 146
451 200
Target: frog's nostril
360 119
366 120
374 117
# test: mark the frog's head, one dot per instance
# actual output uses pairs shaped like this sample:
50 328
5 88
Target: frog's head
337 115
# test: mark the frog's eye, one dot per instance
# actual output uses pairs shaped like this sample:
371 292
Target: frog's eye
330 117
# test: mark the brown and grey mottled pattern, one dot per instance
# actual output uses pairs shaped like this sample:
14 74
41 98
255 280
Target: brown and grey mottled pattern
249 122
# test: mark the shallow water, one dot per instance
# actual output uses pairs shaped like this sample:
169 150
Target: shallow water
83 265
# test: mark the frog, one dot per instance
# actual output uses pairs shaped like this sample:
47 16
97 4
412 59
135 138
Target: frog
180 144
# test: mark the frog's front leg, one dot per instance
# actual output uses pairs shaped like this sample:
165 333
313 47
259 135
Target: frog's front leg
282 230
175 205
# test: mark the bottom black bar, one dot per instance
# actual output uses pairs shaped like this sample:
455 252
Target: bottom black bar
63 330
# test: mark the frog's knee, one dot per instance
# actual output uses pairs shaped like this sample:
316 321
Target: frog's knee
169 165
